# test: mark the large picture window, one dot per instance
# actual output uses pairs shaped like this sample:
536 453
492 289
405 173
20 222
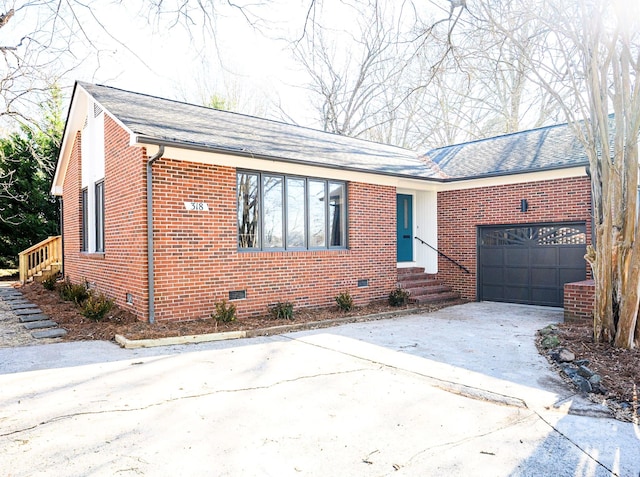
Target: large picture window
278 212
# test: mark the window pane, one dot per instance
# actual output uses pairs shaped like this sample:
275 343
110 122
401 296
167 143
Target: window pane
85 221
248 211
100 217
272 193
317 214
295 213
337 214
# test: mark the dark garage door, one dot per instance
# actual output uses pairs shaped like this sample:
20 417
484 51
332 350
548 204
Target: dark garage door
530 264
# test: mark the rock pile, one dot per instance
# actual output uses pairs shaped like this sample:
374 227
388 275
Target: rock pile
576 370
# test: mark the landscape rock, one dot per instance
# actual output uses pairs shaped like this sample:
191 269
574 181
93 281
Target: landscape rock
595 379
569 370
583 384
550 341
585 372
548 330
565 355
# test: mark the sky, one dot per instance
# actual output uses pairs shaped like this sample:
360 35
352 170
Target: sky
249 67
119 43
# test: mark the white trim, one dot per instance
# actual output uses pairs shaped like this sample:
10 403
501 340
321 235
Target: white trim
284 167
407 264
75 123
555 174
400 183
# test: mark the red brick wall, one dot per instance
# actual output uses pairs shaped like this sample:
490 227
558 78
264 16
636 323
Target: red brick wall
460 212
197 261
122 268
196 258
579 300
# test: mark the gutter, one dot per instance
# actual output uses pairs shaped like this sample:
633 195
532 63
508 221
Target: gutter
150 263
141 139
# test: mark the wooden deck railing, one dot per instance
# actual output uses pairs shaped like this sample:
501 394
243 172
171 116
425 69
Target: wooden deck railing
39 257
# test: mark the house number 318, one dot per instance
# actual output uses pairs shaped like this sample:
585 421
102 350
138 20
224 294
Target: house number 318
197 206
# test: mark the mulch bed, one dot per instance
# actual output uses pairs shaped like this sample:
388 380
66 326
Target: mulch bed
124 323
618 368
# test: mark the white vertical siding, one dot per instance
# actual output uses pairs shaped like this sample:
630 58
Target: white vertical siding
92 166
426 227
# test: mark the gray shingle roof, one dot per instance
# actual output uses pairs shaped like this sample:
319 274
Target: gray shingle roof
551 147
162 121
172 122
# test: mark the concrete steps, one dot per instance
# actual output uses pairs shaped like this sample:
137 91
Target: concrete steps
425 288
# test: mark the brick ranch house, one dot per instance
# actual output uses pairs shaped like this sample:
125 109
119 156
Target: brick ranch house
169 208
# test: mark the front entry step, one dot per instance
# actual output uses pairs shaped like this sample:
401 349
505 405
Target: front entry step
425 288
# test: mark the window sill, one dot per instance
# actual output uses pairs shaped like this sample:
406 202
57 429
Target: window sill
294 251
93 255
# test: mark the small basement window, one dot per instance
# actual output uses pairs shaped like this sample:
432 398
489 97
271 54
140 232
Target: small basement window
237 295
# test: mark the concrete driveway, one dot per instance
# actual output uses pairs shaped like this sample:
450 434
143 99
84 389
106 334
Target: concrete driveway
461 391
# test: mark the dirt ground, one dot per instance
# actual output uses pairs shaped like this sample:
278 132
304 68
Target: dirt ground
619 369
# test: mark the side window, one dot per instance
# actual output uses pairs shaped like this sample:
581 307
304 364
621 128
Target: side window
273 211
99 216
317 214
337 216
296 213
248 211
84 220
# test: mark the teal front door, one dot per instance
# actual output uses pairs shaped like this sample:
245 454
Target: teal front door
404 205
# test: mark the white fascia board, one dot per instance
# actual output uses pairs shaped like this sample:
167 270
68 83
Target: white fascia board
284 167
400 183
539 176
75 123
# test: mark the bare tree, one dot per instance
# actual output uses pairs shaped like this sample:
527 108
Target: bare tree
418 78
588 58
352 72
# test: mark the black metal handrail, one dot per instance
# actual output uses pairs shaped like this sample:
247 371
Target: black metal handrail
462 267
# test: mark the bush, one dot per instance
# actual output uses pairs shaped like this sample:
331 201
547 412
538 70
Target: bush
75 293
345 301
50 282
96 306
224 313
399 297
282 311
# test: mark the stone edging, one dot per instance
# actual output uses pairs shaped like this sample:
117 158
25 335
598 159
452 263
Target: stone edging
272 330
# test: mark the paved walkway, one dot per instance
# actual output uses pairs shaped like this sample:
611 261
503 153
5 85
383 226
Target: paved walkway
13 331
461 391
